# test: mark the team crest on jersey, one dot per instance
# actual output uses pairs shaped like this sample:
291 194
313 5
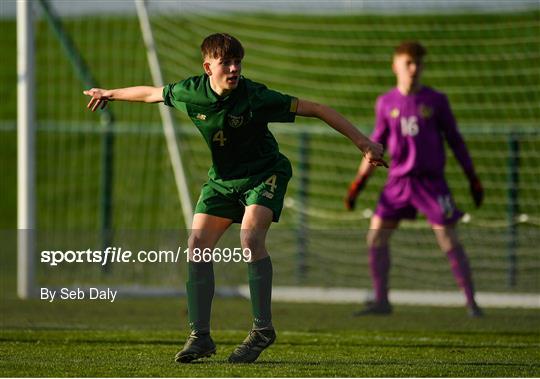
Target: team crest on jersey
425 111
394 113
201 116
238 121
235 121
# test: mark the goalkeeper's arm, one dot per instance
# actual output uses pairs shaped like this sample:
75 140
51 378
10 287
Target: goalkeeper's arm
357 185
145 94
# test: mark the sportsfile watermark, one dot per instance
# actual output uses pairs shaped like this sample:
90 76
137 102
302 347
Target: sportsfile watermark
118 254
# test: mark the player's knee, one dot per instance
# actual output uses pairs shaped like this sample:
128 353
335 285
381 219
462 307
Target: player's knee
195 242
449 245
447 238
252 240
377 238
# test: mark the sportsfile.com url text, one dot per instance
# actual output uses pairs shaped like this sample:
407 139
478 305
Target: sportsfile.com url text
119 255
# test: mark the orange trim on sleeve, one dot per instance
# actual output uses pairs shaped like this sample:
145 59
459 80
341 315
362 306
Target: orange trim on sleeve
294 105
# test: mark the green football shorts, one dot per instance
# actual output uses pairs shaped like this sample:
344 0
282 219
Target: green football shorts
228 198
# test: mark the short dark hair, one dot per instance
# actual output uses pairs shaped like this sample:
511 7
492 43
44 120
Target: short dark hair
412 48
221 45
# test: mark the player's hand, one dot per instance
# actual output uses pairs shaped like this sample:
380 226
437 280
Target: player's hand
477 190
374 154
354 190
100 98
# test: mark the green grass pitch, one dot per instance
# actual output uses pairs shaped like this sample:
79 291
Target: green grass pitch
140 338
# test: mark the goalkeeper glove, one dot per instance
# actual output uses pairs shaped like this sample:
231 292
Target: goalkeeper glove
477 191
354 189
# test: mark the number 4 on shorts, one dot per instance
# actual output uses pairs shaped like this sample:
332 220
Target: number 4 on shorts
271 181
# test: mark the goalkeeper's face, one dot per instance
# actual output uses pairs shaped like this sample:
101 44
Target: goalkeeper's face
408 69
224 73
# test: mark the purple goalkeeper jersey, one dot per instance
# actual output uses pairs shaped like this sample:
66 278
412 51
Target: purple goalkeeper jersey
412 129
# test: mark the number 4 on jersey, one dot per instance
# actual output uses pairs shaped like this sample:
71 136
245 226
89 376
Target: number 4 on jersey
219 137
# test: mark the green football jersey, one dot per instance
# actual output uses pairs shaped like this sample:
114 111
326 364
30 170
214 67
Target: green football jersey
235 126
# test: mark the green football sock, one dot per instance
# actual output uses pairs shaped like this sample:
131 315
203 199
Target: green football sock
200 292
260 288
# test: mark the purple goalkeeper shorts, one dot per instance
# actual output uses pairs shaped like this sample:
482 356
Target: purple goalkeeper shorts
403 196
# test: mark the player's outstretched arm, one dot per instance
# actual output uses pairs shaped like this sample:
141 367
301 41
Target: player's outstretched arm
373 151
145 94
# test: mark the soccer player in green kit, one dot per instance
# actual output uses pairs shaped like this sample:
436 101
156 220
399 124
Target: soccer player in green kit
247 180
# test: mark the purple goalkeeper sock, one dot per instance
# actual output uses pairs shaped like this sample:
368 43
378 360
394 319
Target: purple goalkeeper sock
379 263
462 272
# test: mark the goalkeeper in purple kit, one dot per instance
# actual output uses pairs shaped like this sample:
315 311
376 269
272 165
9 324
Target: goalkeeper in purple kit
412 122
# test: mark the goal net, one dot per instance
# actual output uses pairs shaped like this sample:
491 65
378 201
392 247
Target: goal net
485 60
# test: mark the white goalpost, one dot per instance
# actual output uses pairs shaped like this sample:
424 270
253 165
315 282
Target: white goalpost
168 124
26 184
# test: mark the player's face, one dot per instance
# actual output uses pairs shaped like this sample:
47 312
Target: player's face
224 73
408 69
